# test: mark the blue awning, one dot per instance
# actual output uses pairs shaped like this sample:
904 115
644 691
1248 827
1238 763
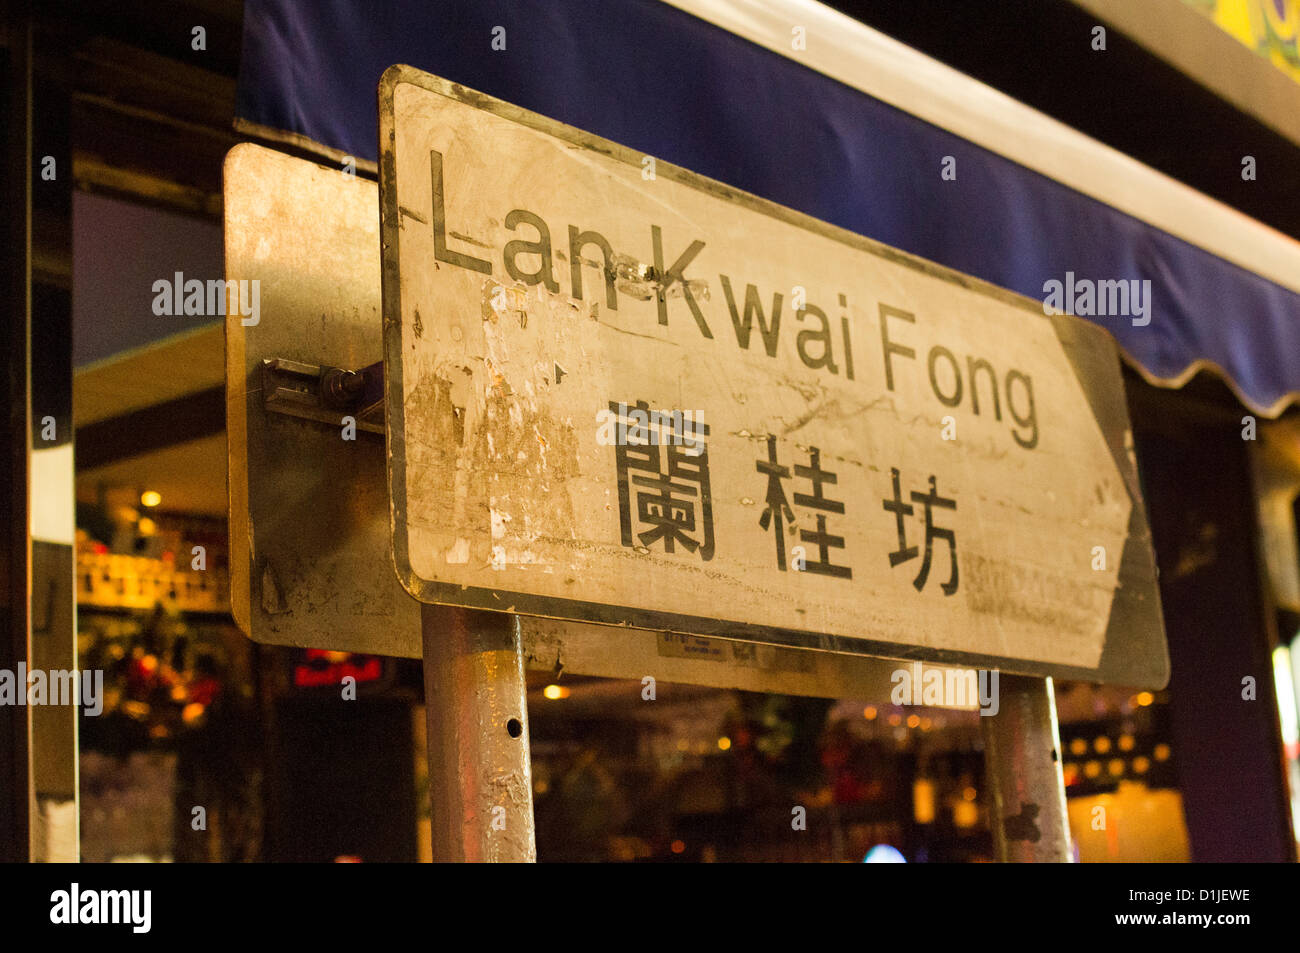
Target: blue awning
656 79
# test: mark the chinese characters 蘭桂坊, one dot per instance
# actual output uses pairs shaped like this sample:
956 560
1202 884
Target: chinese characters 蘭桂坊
665 499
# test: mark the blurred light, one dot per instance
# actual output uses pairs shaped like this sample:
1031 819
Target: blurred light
895 719
1285 694
150 498
1140 764
884 854
555 692
1162 752
926 723
1145 698
1078 747
1284 684
678 846
869 712
1116 767
1125 742
1101 744
1071 774
969 793
541 786
1092 769
913 720
683 744
724 743
923 801
965 814
146 527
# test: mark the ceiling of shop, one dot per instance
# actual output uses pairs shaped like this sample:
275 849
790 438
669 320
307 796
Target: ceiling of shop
154 374
121 446
191 477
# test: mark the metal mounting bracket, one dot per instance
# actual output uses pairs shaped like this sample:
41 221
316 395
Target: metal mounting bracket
325 393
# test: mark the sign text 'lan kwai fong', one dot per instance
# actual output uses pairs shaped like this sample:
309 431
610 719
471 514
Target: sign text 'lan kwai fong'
530 261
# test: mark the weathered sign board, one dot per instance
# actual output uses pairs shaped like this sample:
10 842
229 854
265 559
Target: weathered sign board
620 392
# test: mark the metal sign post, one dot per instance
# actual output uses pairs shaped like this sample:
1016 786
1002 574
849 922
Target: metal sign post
1022 752
480 787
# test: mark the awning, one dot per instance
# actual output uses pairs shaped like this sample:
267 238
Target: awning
852 128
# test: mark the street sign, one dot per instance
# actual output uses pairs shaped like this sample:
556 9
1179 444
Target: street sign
620 392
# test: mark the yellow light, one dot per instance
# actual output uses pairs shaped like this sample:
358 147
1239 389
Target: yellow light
895 719
926 724
965 814
150 498
869 712
1140 764
913 720
1116 766
555 692
724 743
683 744
923 801
1101 744
1125 742
1078 747
146 527
1145 698
1162 752
1092 769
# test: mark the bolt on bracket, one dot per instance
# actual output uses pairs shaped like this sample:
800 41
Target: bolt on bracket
325 393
